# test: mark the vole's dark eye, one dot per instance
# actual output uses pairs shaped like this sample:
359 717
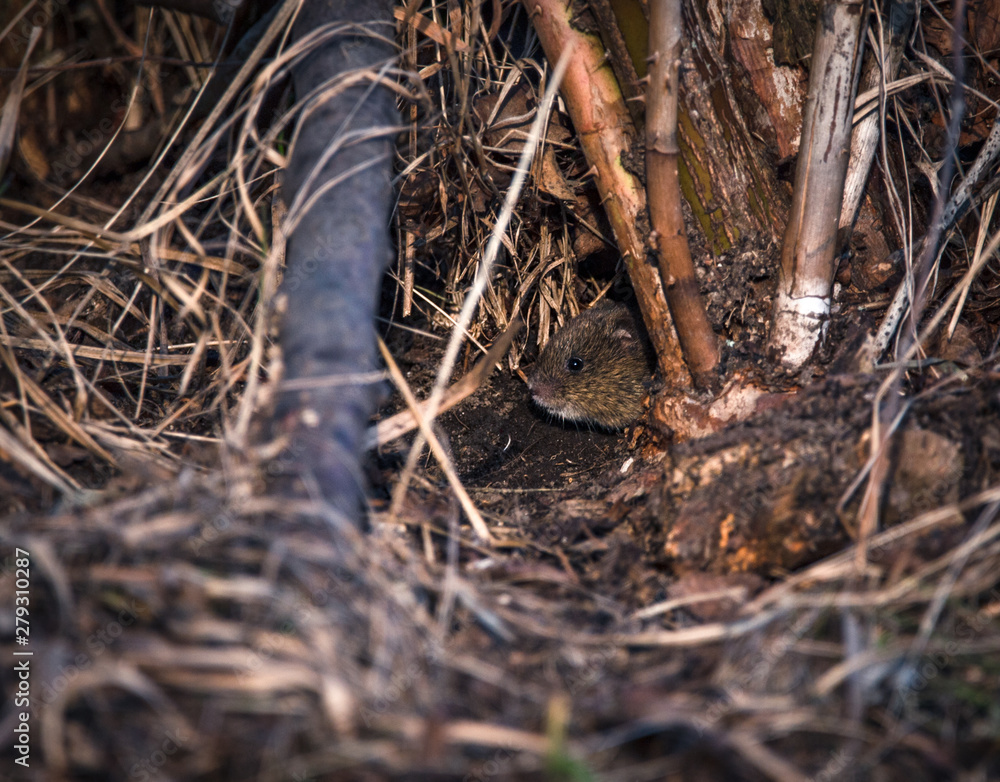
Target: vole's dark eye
574 364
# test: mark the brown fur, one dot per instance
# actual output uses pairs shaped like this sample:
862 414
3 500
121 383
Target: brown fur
608 388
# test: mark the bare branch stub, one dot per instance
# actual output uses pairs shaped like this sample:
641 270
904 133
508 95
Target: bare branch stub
802 304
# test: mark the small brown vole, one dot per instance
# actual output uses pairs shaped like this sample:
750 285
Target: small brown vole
593 370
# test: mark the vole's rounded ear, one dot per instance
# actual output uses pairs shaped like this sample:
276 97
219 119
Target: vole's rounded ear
623 336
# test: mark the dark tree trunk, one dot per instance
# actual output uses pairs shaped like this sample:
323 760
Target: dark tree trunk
338 245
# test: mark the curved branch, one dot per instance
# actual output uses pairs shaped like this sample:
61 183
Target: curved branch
669 237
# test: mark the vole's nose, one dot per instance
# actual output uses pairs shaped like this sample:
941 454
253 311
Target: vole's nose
541 387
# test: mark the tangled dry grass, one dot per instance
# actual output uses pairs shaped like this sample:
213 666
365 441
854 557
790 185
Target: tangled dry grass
190 622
